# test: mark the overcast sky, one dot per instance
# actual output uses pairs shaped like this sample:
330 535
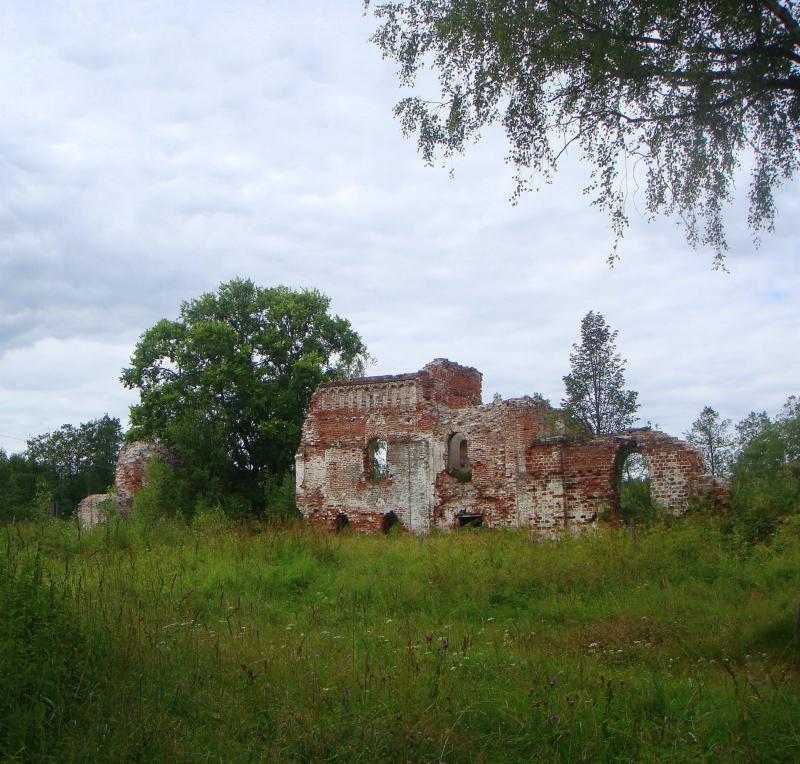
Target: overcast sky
151 150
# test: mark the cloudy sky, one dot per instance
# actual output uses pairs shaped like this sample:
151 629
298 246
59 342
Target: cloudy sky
150 151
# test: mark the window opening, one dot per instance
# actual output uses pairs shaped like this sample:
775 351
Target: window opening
458 457
377 460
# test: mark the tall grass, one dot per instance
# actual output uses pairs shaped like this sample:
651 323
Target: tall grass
165 642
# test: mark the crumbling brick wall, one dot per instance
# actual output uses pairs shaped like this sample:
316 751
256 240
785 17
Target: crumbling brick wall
332 474
526 464
129 478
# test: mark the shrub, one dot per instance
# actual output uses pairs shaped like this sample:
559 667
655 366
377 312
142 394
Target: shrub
279 498
636 506
210 517
164 494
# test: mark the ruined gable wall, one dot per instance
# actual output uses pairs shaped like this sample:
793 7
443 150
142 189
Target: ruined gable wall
451 384
332 469
591 466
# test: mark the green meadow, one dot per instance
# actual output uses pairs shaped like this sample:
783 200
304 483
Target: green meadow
214 642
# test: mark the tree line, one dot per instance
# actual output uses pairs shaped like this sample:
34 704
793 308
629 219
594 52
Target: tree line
227 384
58 469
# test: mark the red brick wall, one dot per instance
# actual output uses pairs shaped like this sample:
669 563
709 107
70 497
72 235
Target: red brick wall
525 471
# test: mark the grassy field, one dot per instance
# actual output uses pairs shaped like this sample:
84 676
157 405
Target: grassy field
164 642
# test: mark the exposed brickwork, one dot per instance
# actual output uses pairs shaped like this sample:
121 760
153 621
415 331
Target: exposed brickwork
131 471
129 478
527 466
94 509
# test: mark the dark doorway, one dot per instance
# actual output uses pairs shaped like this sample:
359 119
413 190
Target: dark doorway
341 523
470 521
390 523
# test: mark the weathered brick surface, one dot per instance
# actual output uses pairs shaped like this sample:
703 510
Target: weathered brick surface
94 509
129 478
526 467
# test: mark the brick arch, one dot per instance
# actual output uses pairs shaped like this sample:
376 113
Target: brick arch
675 467
625 450
583 473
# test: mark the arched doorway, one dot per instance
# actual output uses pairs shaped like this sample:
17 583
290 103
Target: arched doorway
390 523
633 487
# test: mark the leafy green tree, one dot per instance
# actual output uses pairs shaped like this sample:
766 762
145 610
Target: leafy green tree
228 383
19 480
750 428
710 435
766 475
680 93
595 388
78 460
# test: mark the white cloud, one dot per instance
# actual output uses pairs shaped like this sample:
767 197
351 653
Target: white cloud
149 151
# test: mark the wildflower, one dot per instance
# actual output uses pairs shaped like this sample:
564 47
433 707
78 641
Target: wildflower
445 643
429 637
553 681
554 719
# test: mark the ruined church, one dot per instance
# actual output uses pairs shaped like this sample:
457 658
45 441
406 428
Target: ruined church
422 451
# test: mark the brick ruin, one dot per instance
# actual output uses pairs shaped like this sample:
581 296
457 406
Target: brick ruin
422 451
129 477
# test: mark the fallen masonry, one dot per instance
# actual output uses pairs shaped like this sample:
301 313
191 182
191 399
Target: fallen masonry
422 451
129 478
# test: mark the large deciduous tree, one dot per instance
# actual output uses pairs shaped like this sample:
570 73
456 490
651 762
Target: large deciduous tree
678 93
710 435
595 388
229 382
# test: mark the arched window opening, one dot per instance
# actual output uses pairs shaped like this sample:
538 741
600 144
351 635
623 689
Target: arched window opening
458 457
341 523
377 460
390 523
635 502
